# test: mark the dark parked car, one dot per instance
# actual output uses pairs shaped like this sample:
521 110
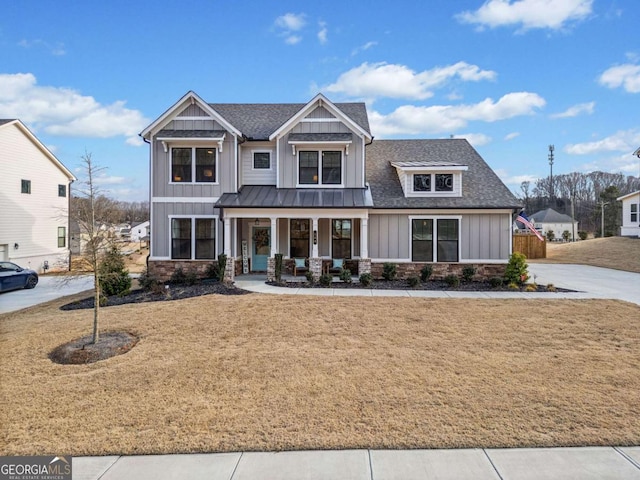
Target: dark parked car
13 276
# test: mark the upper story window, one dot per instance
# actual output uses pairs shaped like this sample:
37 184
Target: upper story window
634 212
189 163
261 160
320 167
430 179
62 190
25 186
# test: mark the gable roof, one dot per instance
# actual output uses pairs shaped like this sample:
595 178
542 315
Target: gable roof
623 197
481 187
4 123
258 121
549 215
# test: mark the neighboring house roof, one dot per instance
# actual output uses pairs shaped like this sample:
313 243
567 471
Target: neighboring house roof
549 215
628 195
23 128
268 196
481 187
141 224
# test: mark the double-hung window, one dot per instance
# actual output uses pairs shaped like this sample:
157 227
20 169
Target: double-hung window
62 190
446 234
320 167
299 237
634 213
25 186
341 238
193 238
189 163
62 237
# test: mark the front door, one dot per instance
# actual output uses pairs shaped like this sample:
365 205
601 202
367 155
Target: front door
261 248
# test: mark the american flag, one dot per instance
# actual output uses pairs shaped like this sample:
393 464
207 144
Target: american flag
522 218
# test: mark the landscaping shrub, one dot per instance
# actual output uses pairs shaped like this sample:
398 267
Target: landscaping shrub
531 287
426 272
222 266
366 279
516 271
551 236
310 279
513 286
566 235
179 277
345 275
452 280
326 279
582 235
389 271
113 276
551 287
211 271
148 282
468 272
413 281
496 282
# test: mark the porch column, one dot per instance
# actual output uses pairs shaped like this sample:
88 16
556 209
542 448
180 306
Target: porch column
314 238
364 238
227 237
274 237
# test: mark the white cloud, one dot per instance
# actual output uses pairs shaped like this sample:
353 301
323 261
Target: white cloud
514 181
66 112
111 180
291 21
626 76
621 141
363 48
528 14
511 136
398 81
56 49
289 24
414 120
322 33
475 139
576 110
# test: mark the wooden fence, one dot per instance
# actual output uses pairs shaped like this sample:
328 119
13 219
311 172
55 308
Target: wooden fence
530 245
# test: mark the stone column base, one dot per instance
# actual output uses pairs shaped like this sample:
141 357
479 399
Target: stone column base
364 266
271 269
315 267
229 270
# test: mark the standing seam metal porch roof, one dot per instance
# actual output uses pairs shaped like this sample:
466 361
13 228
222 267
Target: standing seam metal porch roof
268 196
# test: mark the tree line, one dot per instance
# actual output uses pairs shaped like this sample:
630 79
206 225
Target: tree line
113 211
587 193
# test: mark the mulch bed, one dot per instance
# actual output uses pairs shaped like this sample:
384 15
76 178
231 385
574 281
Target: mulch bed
82 351
164 293
437 285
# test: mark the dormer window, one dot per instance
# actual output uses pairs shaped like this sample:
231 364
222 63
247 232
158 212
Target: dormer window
430 179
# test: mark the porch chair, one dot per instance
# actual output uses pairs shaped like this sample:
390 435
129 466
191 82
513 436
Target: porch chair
336 266
299 265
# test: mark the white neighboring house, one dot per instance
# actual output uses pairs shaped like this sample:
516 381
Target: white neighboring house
549 219
34 195
139 231
630 214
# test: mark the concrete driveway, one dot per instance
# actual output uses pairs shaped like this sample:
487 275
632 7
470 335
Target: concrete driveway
599 282
48 288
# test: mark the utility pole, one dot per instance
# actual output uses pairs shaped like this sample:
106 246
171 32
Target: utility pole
602 204
573 215
551 149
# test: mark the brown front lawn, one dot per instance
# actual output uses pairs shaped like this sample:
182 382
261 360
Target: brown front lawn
259 372
619 253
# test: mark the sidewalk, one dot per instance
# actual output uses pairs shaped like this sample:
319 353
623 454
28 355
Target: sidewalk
587 463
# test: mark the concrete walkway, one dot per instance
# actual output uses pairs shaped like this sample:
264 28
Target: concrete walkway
588 282
588 463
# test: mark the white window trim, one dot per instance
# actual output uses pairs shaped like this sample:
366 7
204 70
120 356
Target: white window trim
253 167
320 183
435 219
193 165
193 237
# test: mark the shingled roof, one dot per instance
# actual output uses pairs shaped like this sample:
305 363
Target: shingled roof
481 187
257 121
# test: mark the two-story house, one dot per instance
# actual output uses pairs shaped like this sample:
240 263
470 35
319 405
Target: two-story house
34 199
309 181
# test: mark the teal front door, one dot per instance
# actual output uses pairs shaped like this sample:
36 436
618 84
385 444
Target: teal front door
261 248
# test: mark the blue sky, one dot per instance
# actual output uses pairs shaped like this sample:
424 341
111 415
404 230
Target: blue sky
512 76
